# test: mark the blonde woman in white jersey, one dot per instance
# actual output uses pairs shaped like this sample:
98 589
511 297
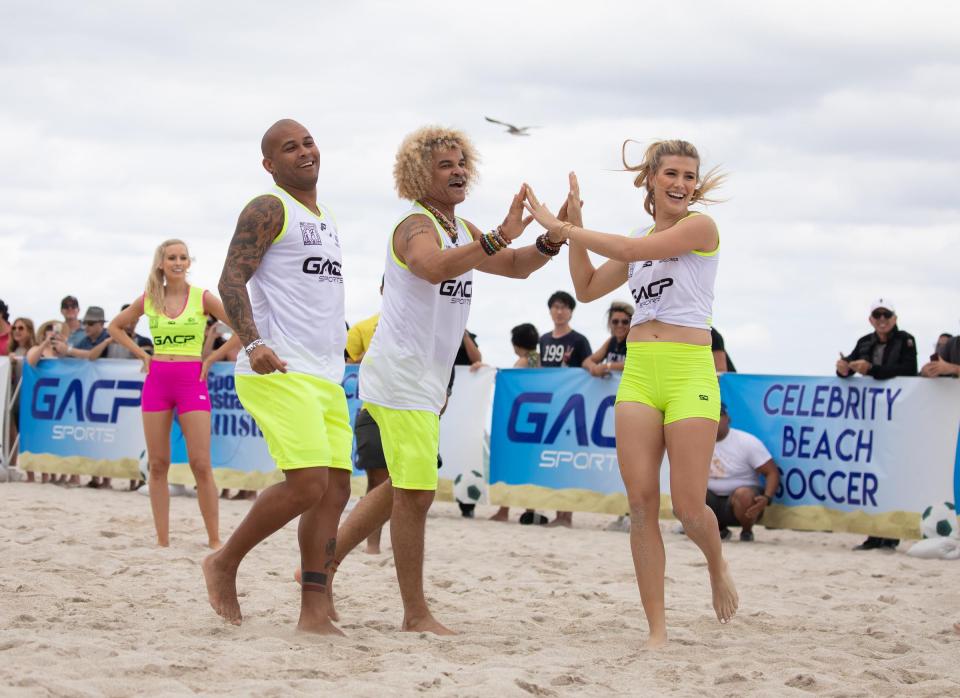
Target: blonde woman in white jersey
282 286
428 288
669 396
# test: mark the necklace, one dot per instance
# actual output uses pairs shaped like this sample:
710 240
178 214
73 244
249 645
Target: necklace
445 222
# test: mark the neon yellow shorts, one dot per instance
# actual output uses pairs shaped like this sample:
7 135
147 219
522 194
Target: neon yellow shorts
410 441
304 419
679 380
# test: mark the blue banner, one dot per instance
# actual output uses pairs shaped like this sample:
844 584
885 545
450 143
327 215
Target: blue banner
553 427
83 416
858 454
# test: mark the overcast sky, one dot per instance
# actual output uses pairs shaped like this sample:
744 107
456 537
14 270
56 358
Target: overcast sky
122 124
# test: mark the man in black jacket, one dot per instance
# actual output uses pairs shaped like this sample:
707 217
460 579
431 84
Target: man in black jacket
886 352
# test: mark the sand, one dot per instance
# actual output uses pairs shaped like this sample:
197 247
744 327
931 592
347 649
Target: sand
89 607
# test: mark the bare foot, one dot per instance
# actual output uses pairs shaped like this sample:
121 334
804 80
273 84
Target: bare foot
221 589
656 640
566 523
372 549
725 598
334 616
426 624
956 628
318 626
215 544
503 514
163 543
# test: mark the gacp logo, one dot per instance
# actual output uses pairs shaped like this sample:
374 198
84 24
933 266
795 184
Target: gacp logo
86 404
532 420
321 266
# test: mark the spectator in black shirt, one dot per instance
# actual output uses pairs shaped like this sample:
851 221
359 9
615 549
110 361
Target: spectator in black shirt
613 352
946 361
721 359
942 341
563 346
886 352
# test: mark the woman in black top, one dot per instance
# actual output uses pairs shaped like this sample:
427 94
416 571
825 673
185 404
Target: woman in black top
613 352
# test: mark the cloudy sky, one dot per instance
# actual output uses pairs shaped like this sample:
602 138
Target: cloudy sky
122 124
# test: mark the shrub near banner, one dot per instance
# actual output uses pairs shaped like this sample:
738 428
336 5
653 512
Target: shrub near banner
857 455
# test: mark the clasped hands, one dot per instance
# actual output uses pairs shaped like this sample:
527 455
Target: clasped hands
569 216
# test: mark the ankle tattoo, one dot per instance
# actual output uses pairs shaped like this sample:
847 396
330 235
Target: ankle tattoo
315 581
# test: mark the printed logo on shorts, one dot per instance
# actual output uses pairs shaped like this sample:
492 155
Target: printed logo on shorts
705 398
310 234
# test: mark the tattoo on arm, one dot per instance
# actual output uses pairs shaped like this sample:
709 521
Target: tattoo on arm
314 581
260 222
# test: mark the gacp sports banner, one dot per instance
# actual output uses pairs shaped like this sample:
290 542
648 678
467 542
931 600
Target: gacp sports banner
84 417
857 455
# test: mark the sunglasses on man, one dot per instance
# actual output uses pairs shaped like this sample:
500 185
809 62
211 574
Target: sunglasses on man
619 321
92 322
877 314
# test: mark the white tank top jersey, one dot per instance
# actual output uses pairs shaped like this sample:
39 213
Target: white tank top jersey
297 294
676 290
408 364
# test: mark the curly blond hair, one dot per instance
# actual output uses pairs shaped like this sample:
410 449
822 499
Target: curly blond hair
412 171
658 150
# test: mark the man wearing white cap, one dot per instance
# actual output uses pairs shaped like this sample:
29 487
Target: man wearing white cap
886 352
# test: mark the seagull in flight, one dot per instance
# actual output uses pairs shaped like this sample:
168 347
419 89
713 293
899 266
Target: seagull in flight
511 129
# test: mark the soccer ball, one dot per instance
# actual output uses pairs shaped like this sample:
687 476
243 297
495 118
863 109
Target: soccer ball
939 521
468 486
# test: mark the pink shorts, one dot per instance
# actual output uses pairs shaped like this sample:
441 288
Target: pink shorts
175 385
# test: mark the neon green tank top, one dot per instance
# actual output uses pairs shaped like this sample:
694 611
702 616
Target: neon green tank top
181 335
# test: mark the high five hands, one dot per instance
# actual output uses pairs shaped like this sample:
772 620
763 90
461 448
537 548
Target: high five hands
570 213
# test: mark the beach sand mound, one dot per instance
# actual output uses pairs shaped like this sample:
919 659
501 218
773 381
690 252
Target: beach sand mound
89 607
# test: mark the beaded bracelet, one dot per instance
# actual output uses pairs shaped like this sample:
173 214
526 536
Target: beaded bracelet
487 245
546 247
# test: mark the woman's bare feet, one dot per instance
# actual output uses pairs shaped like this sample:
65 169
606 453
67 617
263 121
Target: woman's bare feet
215 544
221 588
725 598
425 624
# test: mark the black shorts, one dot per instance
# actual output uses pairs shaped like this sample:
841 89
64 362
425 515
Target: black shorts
369 447
723 507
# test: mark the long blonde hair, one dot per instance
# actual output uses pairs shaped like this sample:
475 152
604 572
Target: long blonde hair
156 290
650 164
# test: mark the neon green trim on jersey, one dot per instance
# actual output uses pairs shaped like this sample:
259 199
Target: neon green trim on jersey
181 335
436 226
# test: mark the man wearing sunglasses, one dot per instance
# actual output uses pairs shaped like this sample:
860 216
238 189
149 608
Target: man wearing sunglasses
886 352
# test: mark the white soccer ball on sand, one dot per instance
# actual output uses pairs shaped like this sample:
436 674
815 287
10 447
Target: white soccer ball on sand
939 521
468 487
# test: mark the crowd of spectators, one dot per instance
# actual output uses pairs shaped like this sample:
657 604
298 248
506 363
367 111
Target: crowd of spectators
736 491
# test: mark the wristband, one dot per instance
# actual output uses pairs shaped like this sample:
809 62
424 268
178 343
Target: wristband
253 345
767 497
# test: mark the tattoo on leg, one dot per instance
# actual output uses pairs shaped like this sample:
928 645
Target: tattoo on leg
314 581
330 550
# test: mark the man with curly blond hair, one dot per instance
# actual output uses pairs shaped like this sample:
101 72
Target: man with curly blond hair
427 292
